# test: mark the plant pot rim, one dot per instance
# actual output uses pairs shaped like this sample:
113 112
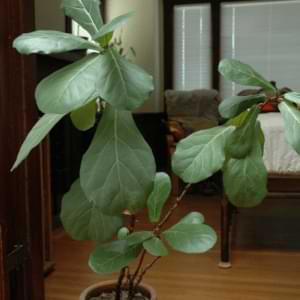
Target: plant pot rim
88 292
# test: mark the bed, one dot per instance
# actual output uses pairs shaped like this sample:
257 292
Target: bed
283 165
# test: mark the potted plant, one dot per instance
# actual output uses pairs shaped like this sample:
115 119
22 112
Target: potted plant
118 173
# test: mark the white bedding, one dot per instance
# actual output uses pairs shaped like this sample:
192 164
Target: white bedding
279 157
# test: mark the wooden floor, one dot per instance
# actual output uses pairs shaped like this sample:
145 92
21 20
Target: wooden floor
262 270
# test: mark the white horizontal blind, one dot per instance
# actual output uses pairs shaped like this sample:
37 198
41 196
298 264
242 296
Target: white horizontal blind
265 35
192 47
79 31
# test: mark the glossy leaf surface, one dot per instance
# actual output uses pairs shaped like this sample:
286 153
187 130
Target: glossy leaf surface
112 257
201 154
36 135
239 143
47 42
233 106
243 74
71 87
85 12
155 247
159 195
118 169
291 117
84 118
123 84
293 97
245 180
83 220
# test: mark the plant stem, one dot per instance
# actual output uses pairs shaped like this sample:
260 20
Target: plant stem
158 227
119 284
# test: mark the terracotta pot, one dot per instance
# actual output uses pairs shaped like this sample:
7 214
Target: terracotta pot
106 286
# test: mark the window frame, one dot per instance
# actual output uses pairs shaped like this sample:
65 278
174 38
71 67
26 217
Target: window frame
168 14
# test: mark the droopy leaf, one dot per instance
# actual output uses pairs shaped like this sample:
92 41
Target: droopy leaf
118 169
138 237
83 220
245 179
71 87
291 118
36 135
233 106
200 155
159 195
112 257
47 42
293 97
112 25
84 117
85 12
243 74
190 237
156 247
239 143
124 85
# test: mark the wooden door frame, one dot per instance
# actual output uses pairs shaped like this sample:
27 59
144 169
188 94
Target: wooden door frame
20 194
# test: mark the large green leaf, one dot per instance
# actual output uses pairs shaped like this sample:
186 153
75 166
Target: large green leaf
293 97
112 25
123 84
36 135
233 106
201 154
85 12
84 118
291 117
119 168
47 42
159 195
112 257
156 247
71 87
245 180
243 74
83 220
190 236
239 143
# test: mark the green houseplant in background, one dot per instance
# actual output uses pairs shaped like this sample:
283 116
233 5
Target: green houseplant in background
236 148
118 171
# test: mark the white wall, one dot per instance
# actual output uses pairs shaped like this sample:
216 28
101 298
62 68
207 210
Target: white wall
49 15
144 33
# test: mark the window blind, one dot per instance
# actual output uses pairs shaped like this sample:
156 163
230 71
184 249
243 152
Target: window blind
265 35
192 47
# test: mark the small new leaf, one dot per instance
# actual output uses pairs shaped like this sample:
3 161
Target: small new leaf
112 257
233 106
84 118
201 154
49 42
193 218
155 247
239 143
36 135
123 233
291 118
243 74
83 220
159 195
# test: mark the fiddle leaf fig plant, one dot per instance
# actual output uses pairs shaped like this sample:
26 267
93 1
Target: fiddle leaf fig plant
118 175
236 147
